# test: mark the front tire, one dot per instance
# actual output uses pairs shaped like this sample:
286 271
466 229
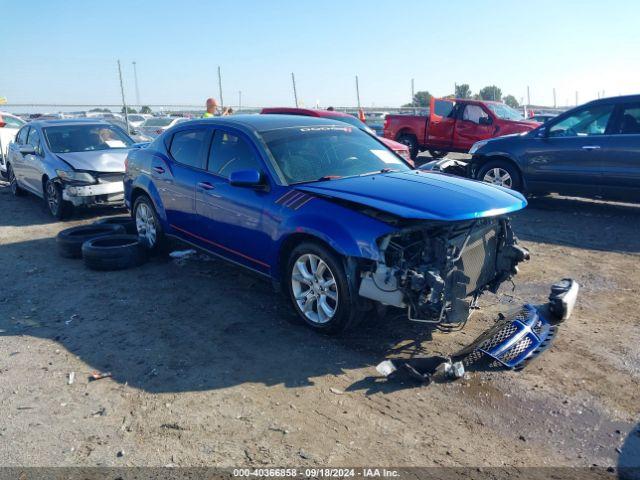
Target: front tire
58 207
502 173
319 289
148 224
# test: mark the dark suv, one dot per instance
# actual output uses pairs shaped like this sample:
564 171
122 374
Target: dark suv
591 150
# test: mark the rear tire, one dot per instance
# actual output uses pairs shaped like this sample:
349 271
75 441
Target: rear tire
411 142
70 241
13 182
322 298
502 173
113 252
148 226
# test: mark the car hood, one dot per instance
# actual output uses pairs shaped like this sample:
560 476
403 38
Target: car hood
422 195
97 161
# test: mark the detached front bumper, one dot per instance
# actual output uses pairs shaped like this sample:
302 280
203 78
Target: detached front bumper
108 193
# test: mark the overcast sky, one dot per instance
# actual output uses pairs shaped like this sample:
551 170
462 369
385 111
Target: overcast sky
55 51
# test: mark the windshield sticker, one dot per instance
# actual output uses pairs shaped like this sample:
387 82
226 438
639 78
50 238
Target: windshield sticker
326 129
386 156
115 143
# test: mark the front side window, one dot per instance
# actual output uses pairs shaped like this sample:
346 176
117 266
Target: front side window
85 138
188 147
306 154
473 113
230 153
586 122
629 120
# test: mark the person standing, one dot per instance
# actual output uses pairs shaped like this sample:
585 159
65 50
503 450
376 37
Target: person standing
212 108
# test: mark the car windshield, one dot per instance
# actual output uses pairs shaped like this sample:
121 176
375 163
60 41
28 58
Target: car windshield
85 138
505 112
136 118
307 154
158 122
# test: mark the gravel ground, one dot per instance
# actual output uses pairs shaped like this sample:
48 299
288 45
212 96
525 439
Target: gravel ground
208 369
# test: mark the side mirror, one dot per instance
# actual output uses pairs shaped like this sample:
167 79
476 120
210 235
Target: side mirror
27 150
485 121
246 178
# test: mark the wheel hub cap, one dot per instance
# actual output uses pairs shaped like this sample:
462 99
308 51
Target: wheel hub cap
145 224
314 288
498 176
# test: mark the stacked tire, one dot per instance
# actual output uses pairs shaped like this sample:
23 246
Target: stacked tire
109 244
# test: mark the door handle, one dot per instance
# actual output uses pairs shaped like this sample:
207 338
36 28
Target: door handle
591 147
159 169
205 186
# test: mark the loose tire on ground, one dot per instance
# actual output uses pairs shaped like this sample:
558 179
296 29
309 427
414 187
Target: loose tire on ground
70 241
113 252
127 222
347 308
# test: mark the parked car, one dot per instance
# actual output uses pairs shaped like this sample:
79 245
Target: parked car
69 163
541 117
134 132
9 126
152 127
453 125
397 147
329 213
591 150
137 119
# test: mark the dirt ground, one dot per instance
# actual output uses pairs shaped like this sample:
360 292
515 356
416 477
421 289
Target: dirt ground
208 369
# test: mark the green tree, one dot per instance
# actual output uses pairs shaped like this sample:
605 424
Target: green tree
491 93
463 91
129 110
420 99
511 101
145 109
105 110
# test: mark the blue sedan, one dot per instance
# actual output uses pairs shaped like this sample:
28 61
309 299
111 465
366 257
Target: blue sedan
328 212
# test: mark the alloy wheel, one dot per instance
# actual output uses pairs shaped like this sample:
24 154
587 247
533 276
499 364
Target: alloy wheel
146 224
498 176
53 198
314 288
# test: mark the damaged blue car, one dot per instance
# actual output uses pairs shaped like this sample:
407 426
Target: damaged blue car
329 213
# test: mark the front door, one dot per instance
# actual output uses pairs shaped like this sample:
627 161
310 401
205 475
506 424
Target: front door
230 218
621 164
568 157
441 123
474 125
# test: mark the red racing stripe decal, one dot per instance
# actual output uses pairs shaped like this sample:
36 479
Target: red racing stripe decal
221 246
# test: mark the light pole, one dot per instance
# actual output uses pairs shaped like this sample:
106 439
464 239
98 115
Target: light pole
135 78
124 103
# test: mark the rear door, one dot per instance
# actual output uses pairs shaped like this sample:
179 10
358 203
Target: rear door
474 124
16 156
621 160
176 177
31 168
441 123
230 218
568 159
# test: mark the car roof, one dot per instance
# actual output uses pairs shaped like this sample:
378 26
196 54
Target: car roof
304 111
266 122
620 99
68 121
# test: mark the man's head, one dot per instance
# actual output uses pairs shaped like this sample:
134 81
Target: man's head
212 105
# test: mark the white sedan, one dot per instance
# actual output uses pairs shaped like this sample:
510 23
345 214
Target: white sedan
9 126
156 125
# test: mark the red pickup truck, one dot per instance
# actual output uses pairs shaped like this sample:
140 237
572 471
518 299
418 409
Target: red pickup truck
453 125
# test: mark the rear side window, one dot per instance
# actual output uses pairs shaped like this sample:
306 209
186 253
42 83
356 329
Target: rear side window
34 139
21 138
443 108
230 153
629 123
188 147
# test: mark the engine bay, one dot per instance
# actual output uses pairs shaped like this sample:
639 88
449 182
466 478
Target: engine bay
438 270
